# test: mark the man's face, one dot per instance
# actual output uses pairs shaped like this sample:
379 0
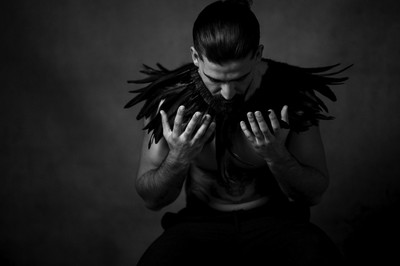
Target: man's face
229 79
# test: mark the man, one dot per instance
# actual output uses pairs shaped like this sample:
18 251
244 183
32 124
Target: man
240 133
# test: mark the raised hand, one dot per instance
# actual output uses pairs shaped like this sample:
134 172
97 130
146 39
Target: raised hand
186 143
269 145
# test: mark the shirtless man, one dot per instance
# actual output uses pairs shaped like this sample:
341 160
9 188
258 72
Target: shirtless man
301 173
262 216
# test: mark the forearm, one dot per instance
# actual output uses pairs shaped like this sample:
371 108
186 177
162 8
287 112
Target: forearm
160 187
297 181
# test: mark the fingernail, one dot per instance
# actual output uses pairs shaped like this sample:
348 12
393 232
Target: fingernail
258 113
205 118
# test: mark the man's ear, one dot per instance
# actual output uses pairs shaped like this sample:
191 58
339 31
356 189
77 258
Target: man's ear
259 52
195 56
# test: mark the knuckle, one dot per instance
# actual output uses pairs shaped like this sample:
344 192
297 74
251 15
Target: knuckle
183 138
173 138
259 146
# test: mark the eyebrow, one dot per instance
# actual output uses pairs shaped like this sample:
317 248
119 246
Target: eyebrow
219 80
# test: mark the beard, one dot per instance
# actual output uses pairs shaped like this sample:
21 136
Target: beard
217 103
225 107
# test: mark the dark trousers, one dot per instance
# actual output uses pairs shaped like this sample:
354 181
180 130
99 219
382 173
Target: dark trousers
274 234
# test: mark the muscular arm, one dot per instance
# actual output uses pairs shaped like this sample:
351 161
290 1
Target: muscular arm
160 176
301 171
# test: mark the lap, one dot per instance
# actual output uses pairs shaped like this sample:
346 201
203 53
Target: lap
293 243
189 244
243 237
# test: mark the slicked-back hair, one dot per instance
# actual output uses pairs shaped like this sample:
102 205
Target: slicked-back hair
226 31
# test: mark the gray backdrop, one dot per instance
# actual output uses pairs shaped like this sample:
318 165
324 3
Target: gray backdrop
69 151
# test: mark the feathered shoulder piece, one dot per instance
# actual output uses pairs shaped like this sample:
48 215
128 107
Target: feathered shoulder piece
282 84
297 87
167 90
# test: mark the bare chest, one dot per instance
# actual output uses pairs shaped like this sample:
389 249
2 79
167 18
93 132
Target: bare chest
240 179
243 155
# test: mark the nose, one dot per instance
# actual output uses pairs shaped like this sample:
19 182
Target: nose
228 91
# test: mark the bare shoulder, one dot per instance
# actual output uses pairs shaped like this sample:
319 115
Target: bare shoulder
307 147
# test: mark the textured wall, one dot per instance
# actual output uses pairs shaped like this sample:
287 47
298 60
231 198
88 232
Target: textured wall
69 152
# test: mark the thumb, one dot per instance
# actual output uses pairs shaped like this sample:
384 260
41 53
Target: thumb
285 117
284 114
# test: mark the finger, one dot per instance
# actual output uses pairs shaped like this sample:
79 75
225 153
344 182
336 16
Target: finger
165 123
263 125
209 132
177 130
254 126
274 121
203 128
192 124
285 117
246 131
285 114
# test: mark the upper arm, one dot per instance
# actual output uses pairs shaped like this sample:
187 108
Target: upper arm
307 147
151 158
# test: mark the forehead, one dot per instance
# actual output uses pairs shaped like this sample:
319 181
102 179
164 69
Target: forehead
233 67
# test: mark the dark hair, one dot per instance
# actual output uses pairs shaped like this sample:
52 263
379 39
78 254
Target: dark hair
225 31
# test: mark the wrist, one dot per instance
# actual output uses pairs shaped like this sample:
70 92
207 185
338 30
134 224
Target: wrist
283 164
281 158
176 160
